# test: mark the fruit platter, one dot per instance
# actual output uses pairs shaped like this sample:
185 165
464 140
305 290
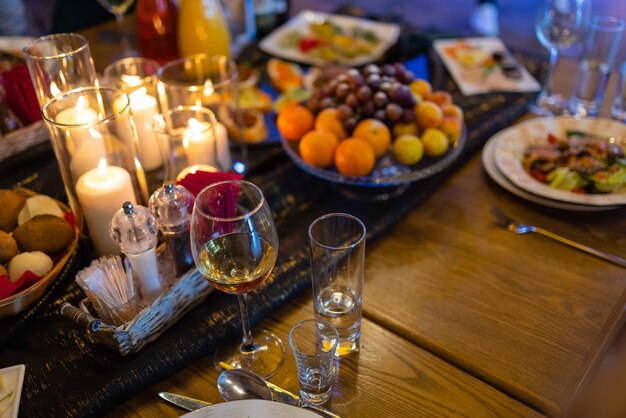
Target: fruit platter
377 126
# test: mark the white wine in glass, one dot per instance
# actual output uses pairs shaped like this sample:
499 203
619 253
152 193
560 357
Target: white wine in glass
234 245
560 24
119 8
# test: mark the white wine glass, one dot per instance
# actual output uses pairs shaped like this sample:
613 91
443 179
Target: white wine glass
119 9
560 24
234 245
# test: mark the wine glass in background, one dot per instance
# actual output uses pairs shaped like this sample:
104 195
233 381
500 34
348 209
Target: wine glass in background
234 245
560 24
119 8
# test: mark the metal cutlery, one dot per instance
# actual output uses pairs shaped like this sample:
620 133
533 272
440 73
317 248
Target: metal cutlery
520 228
189 404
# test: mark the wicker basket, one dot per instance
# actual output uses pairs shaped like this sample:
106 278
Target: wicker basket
19 301
22 139
151 322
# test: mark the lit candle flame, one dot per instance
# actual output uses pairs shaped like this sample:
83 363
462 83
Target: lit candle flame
102 168
131 80
208 88
82 117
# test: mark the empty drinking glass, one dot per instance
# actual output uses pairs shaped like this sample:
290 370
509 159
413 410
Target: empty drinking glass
337 264
560 24
595 66
314 343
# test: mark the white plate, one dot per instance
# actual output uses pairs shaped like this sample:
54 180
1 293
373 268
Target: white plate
11 380
252 409
511 143
387 33
489 164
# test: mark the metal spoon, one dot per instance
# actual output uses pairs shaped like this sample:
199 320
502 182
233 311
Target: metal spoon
239 384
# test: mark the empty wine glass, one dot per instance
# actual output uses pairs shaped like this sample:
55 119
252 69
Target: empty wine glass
234 245
560 24
119 8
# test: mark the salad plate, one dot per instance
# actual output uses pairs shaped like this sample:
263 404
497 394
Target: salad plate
510 146
489 165
252 408
321 38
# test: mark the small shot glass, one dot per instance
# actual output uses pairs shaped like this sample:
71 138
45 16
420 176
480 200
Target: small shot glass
314 343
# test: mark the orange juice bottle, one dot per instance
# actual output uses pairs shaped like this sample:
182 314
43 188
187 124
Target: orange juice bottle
202 28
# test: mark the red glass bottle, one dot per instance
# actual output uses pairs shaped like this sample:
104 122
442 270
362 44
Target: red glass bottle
156 29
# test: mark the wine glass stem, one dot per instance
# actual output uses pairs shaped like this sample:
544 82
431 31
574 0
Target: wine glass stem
119 17
247 343
547 84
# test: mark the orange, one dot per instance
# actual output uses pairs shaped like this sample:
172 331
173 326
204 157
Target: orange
328 120
294 121
376 133
442 98
354 157
284 75
318 148
428 115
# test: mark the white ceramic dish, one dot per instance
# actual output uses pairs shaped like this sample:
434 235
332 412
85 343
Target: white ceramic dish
510 145
489 164
252 409
387 33
11 380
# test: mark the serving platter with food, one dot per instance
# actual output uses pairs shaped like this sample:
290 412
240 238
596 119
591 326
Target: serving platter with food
576 160
321 38
378 126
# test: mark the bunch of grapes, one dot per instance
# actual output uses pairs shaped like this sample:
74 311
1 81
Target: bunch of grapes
379 92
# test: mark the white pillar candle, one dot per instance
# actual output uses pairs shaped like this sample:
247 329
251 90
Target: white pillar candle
88 153
223 147
81 114
199 143
144 107
101 192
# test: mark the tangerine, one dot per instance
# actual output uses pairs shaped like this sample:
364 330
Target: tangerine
328 120
376 133
318 148
294 121
354 157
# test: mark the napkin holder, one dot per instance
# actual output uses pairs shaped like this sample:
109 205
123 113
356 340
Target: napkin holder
190 289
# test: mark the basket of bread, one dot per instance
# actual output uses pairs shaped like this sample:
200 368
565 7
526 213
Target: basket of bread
37 237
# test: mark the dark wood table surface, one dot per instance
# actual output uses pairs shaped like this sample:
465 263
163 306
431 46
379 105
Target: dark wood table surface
461 317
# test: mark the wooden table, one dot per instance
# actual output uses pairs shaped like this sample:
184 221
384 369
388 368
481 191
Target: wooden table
461 317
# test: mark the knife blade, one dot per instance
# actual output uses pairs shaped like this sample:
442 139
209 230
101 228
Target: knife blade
189 404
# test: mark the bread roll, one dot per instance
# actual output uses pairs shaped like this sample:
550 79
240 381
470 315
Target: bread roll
10 205
3 271
8 247
39 205
36 261
46 233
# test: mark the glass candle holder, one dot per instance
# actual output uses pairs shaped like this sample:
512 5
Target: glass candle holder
138 77
210 82
94 139
59 63
191 141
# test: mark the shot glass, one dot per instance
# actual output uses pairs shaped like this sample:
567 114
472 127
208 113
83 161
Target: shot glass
337 264
314 343
618 111
59 63
598 57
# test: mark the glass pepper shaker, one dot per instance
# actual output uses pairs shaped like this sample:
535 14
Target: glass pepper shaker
133 228
171 206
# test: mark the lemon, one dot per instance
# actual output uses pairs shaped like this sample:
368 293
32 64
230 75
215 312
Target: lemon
435 142
408 149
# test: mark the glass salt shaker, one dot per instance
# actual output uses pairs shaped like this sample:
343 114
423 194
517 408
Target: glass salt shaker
134 229
171 206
